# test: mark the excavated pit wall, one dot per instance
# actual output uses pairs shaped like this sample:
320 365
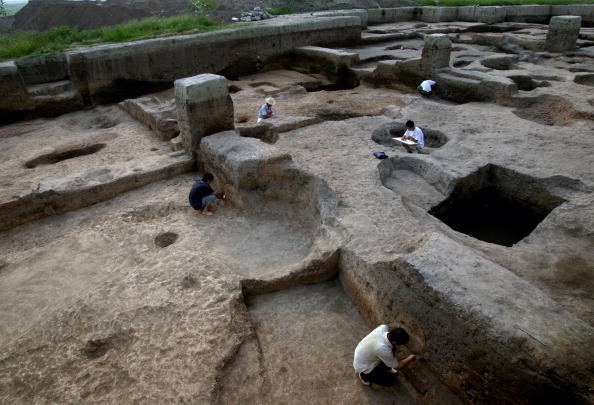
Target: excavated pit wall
481 358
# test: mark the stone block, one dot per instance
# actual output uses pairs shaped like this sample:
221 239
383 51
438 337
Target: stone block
159 115
438 14
529 13
464 86
586 11
334 56
436 53
43 69
264 131
487 15
563 33
361 13
204 107
12 85
387 15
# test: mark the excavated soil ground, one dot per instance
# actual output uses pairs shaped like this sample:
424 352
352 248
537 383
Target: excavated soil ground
139 298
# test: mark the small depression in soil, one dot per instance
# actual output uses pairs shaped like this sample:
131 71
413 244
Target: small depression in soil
165 239
58 156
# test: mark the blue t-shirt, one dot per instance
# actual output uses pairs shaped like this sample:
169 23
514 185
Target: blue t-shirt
199 190
265 110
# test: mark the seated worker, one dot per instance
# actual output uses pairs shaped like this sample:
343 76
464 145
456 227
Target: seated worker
425 87
414 134
202 196
266 110
375 362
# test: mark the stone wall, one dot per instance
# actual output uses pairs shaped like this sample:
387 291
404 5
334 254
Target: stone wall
488 15
101 69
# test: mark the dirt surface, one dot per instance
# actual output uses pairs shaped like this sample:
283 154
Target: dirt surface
139 298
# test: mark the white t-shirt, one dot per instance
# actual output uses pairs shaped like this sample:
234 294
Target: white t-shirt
426 85
418 135
374 348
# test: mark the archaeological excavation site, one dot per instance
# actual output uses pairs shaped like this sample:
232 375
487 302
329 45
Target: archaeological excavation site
113 290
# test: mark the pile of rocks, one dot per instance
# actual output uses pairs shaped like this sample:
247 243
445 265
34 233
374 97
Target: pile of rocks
256 15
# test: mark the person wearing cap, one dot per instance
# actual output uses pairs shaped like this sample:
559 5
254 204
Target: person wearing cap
375 361
266 110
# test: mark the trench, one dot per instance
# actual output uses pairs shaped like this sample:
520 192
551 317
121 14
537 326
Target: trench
59 156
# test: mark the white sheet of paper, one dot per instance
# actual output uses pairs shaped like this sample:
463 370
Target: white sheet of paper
399 139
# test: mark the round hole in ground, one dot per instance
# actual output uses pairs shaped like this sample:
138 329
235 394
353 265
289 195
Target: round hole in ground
165 239
64 154
384 134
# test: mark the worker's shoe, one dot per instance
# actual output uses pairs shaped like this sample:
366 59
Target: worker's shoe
362 380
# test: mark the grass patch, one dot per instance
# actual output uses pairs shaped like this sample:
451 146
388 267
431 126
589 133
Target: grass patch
278 10
452 3
28 44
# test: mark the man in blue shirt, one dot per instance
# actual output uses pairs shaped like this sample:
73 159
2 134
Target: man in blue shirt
202 196
266 110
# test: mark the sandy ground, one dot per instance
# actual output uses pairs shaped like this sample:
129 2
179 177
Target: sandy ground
95 309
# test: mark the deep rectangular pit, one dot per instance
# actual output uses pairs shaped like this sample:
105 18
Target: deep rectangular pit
496 205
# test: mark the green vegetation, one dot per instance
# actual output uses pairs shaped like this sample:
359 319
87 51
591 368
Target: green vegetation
202 7
21 44
451 3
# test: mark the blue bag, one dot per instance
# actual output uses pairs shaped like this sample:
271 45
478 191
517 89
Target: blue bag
380 155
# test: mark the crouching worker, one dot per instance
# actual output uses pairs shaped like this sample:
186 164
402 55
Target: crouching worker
266 109
375 361
202 197
425 87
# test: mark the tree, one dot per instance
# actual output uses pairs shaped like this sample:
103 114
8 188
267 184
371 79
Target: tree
2 8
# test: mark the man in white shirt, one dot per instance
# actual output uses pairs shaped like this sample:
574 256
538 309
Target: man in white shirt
414 134
374 359
425 87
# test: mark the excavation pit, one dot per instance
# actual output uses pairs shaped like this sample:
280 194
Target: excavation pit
384 135
58 156
496 205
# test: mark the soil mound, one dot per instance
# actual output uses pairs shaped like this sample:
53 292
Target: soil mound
42 15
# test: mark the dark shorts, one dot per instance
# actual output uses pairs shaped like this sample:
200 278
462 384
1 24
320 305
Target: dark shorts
380 375
423 92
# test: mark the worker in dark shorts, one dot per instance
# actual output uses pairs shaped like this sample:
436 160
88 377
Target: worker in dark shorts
202 196
375 362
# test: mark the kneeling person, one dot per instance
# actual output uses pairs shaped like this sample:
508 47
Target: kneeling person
202 196
375 361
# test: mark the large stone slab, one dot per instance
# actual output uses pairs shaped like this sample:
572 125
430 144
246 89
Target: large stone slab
157 112
563 33
204 107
